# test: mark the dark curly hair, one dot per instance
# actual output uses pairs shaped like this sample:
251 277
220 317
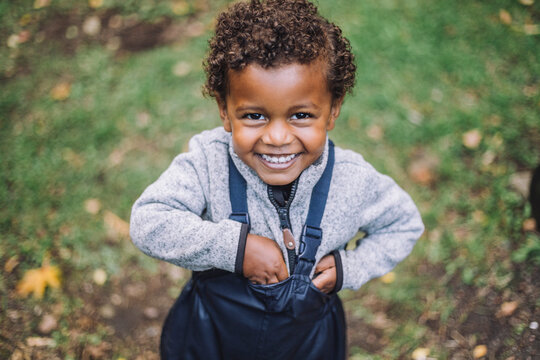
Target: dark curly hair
277 32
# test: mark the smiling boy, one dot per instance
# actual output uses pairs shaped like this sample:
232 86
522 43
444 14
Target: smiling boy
279 73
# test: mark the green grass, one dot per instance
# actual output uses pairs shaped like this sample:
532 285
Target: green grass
428 72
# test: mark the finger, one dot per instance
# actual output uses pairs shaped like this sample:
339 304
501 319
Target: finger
326 262
283 273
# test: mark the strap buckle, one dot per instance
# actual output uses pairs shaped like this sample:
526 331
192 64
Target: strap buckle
241 217
309 242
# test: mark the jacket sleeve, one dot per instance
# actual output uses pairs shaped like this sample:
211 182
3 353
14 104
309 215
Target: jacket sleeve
168 220
391 223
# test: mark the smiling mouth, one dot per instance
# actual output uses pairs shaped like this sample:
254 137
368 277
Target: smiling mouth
278 159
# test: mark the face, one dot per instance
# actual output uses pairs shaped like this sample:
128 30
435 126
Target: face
279 118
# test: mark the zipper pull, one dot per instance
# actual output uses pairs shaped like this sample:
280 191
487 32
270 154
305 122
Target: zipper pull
288 239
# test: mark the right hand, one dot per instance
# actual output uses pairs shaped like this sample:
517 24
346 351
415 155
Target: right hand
263 261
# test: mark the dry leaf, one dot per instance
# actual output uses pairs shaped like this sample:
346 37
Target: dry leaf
529 225
92 26
13 41
527 2
422 169
61 91
480 351
388 278
47 324
507 309
99 276
531 29
40 342
180 7
11 264
181 68
471 139
116 227
95 3
36 280
505 17
38 4
375 132
420 353
92 206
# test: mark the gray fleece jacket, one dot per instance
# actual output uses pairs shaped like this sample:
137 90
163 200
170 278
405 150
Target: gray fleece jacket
182 218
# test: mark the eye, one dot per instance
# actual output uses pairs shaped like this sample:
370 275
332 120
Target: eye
301 116
254 116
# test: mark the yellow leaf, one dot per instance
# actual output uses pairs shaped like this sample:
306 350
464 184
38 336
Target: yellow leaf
480 351
180 7
505 17
38 4
36 280
61 91
388 278
11 264
420 354
507 308
95 3
526 2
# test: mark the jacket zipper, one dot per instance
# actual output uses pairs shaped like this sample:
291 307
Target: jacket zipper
285 224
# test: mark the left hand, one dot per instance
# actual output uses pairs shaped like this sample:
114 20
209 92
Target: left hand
325 274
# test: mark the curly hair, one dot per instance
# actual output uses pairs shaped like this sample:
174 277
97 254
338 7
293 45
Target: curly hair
276 32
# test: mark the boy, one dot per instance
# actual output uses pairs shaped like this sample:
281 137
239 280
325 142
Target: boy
268 263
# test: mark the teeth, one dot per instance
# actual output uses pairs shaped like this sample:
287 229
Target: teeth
278 159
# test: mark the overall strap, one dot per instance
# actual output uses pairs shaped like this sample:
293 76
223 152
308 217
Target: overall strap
237 194
312 232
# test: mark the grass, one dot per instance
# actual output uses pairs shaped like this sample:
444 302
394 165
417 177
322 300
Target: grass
428 74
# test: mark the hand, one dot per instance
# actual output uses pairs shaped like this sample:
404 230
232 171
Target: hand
263 261
325 274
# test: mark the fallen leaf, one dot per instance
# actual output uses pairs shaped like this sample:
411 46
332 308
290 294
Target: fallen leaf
151 313
180 7
92 206
471 139
95 3
40 341
181 68
92 25
531 29
422 169
11 264
527 2
99 276
375 132
36 280
116 227
505 17
420 353
479 351
24 36
38 4
507 309
61 91
47 324
13 41
520 181
388 278
529 225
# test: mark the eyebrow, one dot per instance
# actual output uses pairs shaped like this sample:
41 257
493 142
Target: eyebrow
292 109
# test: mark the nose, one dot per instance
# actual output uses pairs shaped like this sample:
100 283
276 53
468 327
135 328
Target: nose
277 133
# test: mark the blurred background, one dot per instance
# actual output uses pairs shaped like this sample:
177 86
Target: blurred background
98 96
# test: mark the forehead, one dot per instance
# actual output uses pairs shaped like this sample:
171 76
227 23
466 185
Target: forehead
286 82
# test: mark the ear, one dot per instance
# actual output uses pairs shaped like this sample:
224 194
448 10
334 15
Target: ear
334 113
222 106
